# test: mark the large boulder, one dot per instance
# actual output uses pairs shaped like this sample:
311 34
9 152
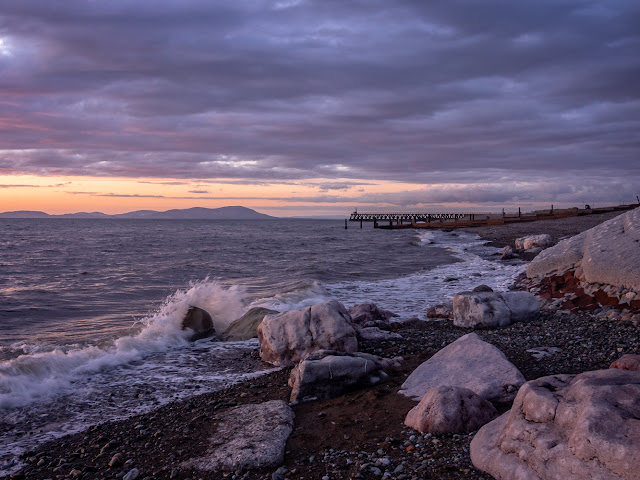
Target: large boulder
246 327
448 409
247 437
492 309
329 374
285 338
534 241
471 363
200 322
607 254
566 426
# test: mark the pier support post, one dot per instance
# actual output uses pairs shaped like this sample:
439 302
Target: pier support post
360 223
345 224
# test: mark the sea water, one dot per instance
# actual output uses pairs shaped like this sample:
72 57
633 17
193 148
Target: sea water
91 309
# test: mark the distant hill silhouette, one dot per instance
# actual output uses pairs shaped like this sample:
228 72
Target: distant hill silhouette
195 213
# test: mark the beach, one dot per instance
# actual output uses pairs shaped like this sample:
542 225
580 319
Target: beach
360 434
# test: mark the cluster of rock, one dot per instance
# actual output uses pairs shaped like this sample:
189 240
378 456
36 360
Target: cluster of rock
531 244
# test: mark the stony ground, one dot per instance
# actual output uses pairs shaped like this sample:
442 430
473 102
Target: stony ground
359 435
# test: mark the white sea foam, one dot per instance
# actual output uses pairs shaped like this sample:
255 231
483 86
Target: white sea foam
45 371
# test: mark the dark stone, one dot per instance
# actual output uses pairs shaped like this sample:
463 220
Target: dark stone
200 322
482 288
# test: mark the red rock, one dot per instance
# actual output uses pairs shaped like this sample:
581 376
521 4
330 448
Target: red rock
627 362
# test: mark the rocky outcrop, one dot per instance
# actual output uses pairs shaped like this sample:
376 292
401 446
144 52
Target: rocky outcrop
566 426
491 309
246 327
608 254
200 322
534 241
247 437
471 363
627 362
329 374
449 409
285 338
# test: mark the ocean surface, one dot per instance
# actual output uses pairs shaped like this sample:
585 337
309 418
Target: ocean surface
90 310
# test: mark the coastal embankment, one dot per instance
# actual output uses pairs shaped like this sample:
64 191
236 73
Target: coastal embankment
360 434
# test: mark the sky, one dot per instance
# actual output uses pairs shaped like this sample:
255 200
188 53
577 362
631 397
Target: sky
300 107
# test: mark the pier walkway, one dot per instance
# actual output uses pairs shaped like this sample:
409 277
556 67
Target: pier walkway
458 220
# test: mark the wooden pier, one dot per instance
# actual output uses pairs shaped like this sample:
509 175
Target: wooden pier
459 220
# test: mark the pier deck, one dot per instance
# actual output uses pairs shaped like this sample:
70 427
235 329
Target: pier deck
399 220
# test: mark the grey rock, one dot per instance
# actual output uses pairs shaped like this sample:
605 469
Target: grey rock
285 338
374 333
471 363
369 312
329 374
566 426
246 327
492 309
132 474
442 310
250 436
448 409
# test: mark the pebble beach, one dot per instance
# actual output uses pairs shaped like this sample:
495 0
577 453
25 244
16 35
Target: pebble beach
360 434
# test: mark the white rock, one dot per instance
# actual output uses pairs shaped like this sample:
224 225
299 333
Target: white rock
471 363
534 241
287 337
565 427
608 253
249 436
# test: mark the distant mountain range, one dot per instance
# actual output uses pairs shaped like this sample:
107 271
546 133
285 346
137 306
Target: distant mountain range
195 213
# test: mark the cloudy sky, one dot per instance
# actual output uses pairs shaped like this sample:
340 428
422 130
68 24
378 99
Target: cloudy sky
315 107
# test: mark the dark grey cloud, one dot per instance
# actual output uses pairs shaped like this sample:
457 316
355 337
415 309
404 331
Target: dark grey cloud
478 94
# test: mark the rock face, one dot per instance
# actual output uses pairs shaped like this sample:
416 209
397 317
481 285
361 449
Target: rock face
199 321
329 374
534 241
449 409
249 436
492 309
246 327
608 253
565 427
627 362
471 363
285 338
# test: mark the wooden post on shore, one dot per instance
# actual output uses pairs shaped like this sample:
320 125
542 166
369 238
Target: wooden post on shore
519 213
360 223
345 224
551 209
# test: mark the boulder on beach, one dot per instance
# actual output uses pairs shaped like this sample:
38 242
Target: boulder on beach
199 321
247 437
442 310
375 333
492 309
329 374
534 241
448 409
246 327
629 361
566 426
285 338
369 315
507 253
607 254
471 363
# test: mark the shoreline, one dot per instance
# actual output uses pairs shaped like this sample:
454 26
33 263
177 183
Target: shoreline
346 435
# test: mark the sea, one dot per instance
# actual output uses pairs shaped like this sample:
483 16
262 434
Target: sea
91 309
